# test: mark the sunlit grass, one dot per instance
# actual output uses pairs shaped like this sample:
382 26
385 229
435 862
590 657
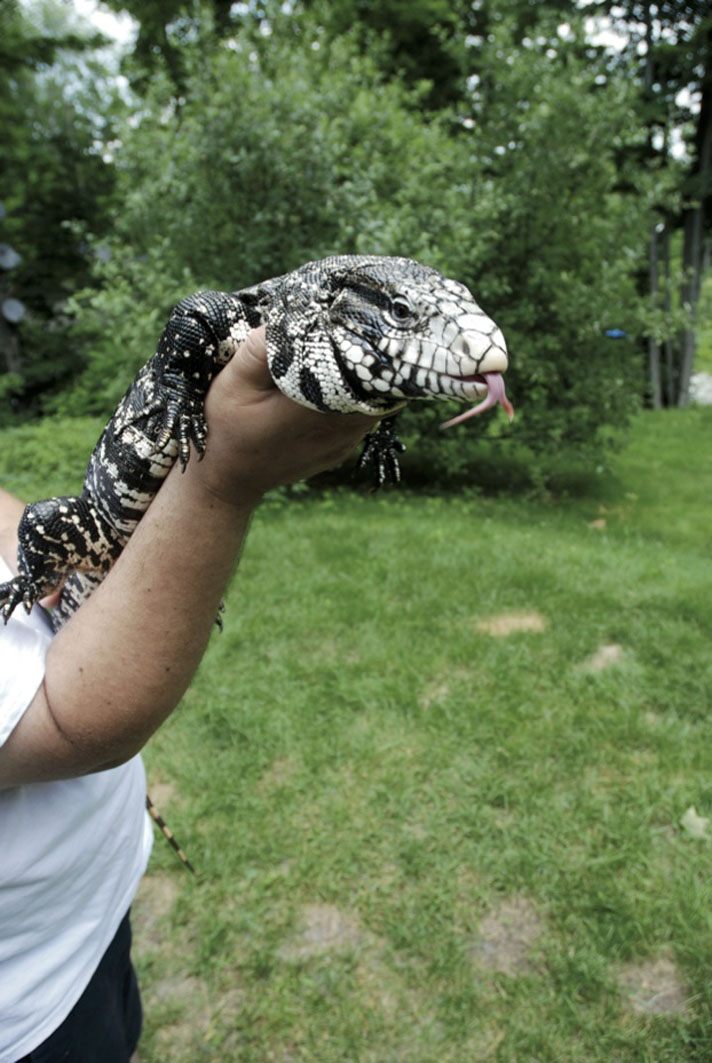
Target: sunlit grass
356 753
420 840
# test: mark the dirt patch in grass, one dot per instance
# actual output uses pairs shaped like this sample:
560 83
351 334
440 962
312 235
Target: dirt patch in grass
388 984
439 688
181 991
184 1002
151 910
507 936
182 1010
163 793
606 656
323 928
171 991
471 888
434 694
505 624
654 987
280 773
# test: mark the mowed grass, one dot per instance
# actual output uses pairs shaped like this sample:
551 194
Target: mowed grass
432 778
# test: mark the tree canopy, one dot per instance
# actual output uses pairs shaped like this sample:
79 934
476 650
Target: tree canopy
497 142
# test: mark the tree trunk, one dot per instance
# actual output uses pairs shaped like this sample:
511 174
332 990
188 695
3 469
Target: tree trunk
698 192
667 302
656 395
689 296
9 339
656 392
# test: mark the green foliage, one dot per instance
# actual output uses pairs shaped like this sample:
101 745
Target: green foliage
669 54
47 457
551 249
290 140
208 202
262 167
566 244
118 323
704 360
55 184
417 41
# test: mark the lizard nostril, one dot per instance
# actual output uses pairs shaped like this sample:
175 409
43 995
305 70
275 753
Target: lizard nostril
470 346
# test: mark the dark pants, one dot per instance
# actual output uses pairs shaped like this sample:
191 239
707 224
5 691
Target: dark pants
105 1023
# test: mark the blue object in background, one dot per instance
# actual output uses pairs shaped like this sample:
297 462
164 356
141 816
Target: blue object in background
616 334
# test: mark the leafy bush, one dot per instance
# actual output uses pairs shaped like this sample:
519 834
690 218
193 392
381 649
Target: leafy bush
263 167
48 456
118 324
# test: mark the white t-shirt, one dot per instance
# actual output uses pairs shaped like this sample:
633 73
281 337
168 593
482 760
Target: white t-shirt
71 856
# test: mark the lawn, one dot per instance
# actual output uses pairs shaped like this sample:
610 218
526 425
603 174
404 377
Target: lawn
436 780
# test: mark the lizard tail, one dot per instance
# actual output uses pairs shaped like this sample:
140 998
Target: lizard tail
167 834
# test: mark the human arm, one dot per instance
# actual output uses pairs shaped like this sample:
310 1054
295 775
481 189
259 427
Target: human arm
120 665
10 512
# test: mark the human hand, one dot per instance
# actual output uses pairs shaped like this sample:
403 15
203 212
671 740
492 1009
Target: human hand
258 438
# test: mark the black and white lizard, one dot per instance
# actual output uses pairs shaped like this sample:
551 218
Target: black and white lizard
344 334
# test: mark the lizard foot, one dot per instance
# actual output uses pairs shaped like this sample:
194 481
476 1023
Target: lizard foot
381 449
18 590
183 420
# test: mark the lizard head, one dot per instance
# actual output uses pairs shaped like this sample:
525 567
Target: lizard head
368 333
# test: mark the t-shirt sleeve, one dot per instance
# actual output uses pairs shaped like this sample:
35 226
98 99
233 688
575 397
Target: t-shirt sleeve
24 641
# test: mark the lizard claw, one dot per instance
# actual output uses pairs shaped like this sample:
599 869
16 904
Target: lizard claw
381 448
191 429
185 426
18 590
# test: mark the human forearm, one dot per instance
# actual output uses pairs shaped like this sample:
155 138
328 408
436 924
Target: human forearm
121 663
10 513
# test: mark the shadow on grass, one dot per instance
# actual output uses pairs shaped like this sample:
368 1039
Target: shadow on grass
493 473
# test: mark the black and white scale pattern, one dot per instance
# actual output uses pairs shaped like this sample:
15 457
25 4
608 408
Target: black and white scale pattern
346 333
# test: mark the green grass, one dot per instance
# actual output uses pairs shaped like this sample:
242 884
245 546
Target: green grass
370 785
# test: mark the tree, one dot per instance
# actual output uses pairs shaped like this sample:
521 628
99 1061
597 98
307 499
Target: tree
55 184
669 49
697 212
262 167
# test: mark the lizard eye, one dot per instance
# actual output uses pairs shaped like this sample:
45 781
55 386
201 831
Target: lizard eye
400 310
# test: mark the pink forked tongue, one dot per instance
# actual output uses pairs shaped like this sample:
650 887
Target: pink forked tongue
495 394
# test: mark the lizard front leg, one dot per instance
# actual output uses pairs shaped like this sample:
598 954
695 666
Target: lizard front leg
55 538
201 336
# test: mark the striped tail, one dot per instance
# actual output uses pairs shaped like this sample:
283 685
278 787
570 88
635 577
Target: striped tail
167 833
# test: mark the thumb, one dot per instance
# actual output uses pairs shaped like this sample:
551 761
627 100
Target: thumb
250 362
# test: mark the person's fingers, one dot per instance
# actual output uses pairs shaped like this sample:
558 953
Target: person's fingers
250 362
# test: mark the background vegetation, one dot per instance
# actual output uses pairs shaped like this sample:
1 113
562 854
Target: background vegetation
444 777
566 181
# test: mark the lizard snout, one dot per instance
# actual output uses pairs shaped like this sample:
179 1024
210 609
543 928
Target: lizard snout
479 349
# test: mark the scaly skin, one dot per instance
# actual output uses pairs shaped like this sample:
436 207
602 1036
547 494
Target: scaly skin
347 333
